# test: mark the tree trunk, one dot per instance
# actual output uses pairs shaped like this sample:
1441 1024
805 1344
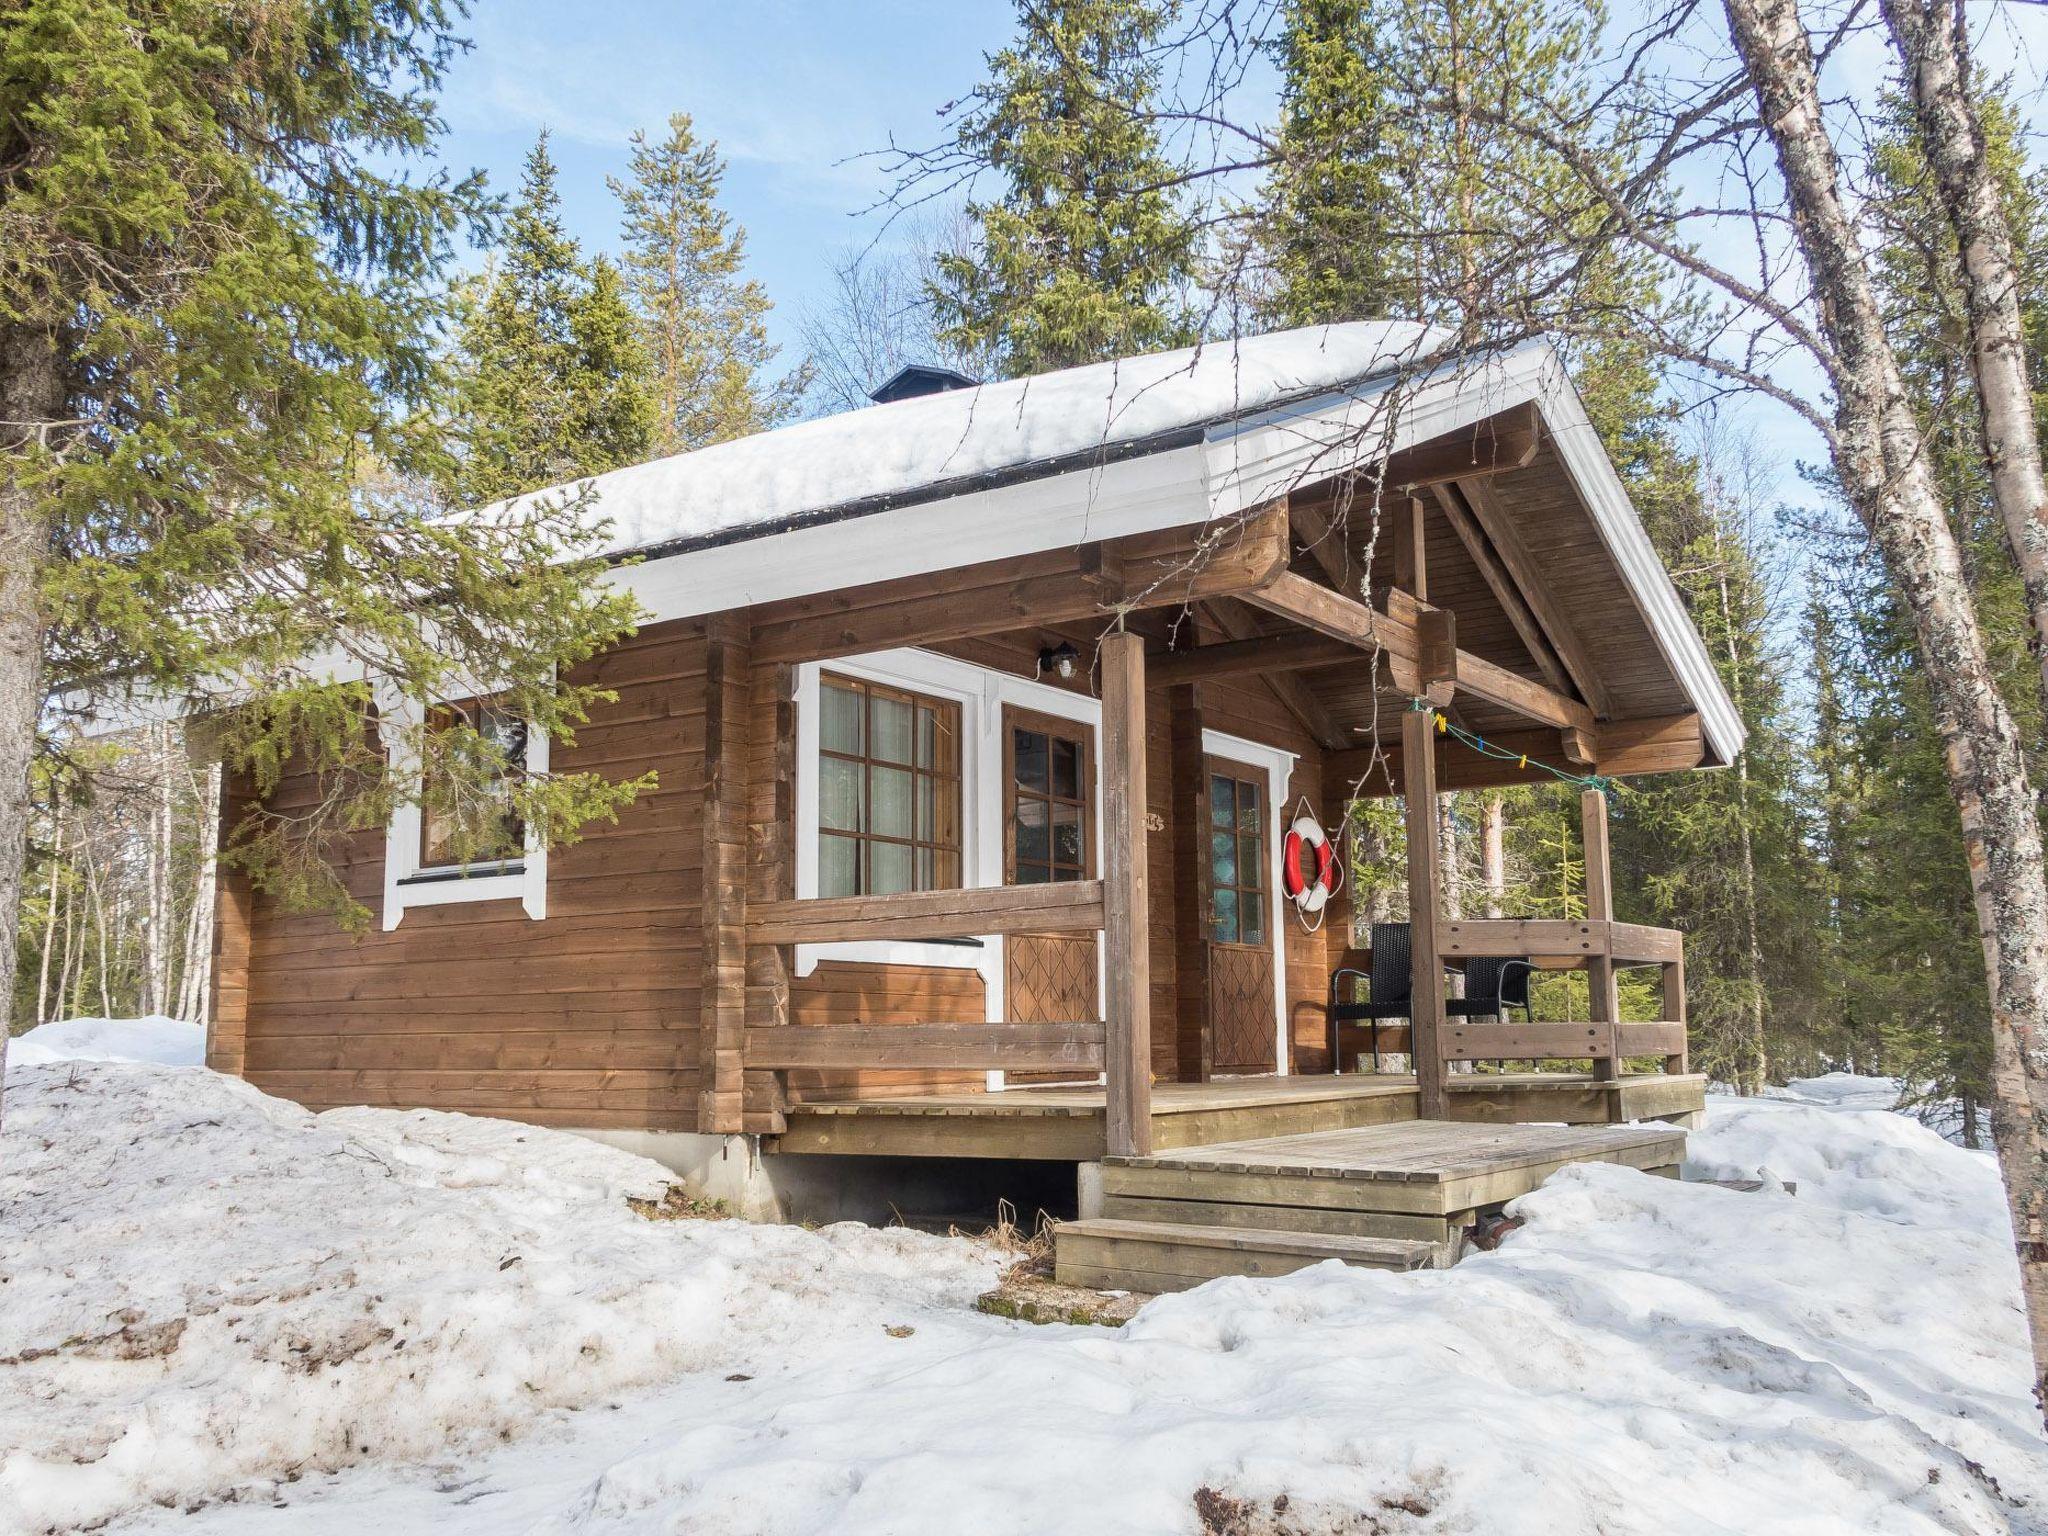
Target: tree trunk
192 997
1880 455
50 916
1493 863
28 400
1934 43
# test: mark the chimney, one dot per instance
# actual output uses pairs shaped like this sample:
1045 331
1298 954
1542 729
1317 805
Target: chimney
917 379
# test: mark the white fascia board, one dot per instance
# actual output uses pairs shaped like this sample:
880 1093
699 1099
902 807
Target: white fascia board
1136 495
1265 456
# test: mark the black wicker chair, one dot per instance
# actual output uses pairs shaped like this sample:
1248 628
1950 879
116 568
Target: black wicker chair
1390 985
1492 986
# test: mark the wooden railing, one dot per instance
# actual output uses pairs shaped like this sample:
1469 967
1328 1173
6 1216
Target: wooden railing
1070 906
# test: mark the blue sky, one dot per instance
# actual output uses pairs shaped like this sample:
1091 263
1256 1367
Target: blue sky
794 93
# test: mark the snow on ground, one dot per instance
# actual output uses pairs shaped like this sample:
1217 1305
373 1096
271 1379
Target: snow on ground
1643 1356
167 1042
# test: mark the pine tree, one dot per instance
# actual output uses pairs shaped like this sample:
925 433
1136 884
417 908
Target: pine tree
552 380
1087 253
218 306
1331 230
702 320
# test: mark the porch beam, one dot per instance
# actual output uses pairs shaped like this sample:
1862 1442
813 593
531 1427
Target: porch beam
1291 652
1294 694
1127 1035
1528 629
1069 586
1490 447
1314 606
1529 580
1426 973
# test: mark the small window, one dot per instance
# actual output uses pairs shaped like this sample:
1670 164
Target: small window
485 831
888 790
1237 860
1050 794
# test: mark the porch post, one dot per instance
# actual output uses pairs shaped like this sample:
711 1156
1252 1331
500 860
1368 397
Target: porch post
1127 999
1426 992
1605 1001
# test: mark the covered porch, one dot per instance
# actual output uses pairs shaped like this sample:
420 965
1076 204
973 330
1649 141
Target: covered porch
1171 622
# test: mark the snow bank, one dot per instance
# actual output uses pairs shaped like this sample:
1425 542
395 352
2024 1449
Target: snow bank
167 1042
886 450
205 1287
1643 1356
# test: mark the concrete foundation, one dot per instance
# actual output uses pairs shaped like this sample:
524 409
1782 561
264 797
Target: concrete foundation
762 1186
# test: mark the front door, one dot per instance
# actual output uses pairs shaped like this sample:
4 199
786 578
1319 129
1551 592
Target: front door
1049 835
1238 909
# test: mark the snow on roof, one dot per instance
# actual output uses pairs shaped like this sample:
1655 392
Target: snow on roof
896 451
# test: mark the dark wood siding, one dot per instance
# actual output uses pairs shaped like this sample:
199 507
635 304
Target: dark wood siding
588 1018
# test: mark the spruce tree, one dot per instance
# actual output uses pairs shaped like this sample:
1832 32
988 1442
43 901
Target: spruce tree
1087 254
552 380
702 320
217 290
1333 204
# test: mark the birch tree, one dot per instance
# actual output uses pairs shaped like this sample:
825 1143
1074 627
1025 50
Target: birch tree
1933 41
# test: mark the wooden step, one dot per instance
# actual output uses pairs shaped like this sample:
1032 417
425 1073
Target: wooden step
1110 1254
1122 1205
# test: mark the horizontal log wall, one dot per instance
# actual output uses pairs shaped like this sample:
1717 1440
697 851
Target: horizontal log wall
588 1018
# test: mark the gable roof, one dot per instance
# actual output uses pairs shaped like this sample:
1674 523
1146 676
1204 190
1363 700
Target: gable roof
938 445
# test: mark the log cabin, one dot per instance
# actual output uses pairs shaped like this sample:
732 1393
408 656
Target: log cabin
982 716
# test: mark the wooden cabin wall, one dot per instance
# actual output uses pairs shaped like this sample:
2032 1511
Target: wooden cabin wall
586 1018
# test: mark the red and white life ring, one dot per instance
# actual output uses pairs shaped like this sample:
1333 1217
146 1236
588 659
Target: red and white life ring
1308 893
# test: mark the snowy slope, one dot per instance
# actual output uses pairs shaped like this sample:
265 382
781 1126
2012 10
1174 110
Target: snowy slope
167 1042
1643 1356
887 450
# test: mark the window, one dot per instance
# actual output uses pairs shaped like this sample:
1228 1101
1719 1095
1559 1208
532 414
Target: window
1050 791
888 790
1237 860
485 830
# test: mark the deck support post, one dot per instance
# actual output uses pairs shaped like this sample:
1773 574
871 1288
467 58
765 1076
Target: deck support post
1127 1016
1604 999
1426 997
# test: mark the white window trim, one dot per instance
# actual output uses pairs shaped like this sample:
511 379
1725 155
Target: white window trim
1279 766
982 694
527 885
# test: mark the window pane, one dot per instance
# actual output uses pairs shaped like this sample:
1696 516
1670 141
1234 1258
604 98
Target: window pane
889 720
927 735
943 723
1223 916
1251 864
946 870
889 801
1034 845
1252 919
1033 874
888 868
838 859
1031 758
1222 859
925 793
1066 836
1066 768
1222 801
922 860
1247 807
839 715
839 795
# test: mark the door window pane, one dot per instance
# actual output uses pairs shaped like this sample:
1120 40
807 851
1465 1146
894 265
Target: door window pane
1050 809
1238 892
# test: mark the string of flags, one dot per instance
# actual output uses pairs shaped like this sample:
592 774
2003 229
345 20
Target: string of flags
1445 726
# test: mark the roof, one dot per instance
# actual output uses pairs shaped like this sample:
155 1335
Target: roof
940 444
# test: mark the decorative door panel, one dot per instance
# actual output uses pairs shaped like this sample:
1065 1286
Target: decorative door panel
1237 896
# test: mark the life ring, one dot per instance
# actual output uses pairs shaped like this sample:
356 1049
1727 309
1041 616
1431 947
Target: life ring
1308 893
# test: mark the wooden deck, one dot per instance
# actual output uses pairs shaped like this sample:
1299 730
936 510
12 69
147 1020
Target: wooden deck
1067 1124
1395 1196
